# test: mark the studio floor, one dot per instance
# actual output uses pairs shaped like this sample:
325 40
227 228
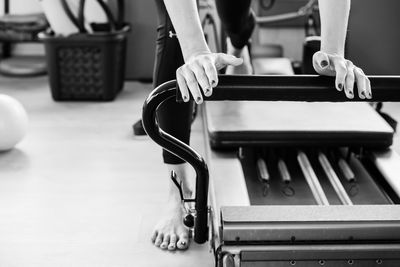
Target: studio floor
80 190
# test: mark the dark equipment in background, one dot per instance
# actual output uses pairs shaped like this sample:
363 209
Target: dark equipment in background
142 16
20 29
373 39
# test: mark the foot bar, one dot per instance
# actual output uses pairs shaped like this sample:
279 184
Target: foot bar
310 88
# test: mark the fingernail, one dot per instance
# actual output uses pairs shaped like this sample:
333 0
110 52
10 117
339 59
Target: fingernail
350 93
207 91
198 99
213 83
363 94
370 95
185 98
340 86
324 63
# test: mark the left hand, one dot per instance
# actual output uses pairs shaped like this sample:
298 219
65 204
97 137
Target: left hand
346 74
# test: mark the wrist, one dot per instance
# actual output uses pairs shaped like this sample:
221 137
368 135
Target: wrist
189 53
195 53
332 48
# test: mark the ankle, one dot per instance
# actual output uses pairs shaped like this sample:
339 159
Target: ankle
232 50
184 175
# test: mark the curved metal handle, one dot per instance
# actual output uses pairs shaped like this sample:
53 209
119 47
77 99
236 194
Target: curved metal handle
181 150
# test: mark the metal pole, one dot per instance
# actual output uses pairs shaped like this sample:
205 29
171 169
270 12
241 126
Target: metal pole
312 180
334 179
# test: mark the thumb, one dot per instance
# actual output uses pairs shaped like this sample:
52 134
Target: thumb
223 60
321 61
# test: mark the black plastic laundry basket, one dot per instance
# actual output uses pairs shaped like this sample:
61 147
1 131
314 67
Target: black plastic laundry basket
87 66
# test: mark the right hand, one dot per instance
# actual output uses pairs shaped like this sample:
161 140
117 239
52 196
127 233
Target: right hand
201 69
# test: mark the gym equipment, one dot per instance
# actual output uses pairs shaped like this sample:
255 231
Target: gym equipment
287 192
17 29
13 122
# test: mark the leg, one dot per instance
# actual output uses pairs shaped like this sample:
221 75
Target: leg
170 233
238 22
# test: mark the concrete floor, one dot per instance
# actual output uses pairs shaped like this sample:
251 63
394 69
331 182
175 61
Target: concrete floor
79 190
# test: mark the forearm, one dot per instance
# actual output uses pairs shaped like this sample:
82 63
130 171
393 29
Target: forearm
186 21
334 20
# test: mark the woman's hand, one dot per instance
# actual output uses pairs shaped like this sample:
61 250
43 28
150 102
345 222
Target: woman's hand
202 69
346 74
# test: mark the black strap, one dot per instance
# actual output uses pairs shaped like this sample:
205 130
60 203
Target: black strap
79 21
71 16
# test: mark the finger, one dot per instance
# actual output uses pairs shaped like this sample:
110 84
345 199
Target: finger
341 71
222 60
321 60
154 236
368 90
192 84
361 81
212 75
350 79
183 242
201 77
182 86
159 239
165 243
172 242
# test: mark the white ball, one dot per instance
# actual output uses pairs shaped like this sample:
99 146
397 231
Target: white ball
13 122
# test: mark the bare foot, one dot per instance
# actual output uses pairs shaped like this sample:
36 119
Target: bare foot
170 232
246 67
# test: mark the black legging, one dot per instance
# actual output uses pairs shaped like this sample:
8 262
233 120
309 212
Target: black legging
238 22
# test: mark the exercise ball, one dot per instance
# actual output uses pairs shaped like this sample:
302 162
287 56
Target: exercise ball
13 122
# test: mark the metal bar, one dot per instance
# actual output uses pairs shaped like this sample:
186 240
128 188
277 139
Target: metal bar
312 179
310 88
263 170
347 171
156 98
334 179
284 172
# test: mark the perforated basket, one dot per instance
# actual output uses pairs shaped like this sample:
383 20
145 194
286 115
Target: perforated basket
86 66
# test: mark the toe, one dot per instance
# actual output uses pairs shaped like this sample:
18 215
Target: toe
154 236
164 244
172 242
183 242
159 239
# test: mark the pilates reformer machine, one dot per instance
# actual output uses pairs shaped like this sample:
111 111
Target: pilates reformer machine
310 182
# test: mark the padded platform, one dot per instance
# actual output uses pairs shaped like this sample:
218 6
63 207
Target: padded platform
245 123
